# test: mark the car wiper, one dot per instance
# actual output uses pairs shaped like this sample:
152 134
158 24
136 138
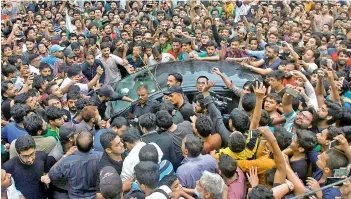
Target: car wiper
150 73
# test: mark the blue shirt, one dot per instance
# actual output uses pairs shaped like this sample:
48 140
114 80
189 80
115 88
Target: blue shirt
97 143
80 170
329 192
192 168
12 131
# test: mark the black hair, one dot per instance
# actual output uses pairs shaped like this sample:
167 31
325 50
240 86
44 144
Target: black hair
237 142
276 97
283 137
84 141
227 165
199 98
48 87
333 132
164 119
211 43
235 39
177 76
265 119
148 121
24 143
147 173
269 176
168 180
260 192
32 124
5 86
240 120
193 144
166 105
19 111
53 113
336 159
38 81
106 138
72 95
131 135
43 65
81 103
306 139
248 102
21 98
31 57
148 153
334 110
50 97
7 70
74 70
277 74
202 76
204 125
119 122
105 45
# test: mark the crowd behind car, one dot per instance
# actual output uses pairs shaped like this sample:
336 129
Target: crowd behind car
62 61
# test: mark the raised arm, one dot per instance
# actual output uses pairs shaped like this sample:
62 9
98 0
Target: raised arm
287 104
334 95
260 71
320 91
99 72
260 92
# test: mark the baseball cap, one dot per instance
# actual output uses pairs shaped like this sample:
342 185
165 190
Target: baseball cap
68 53
173 89
110 182
273 46
55 48
67 130
107 91
75 45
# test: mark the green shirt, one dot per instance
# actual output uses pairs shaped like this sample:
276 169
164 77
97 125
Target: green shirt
204 54
166 48
53 133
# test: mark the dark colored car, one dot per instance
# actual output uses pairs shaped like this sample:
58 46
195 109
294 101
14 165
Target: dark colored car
190 70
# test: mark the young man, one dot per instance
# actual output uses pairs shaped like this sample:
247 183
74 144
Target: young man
232 53
176 48
209 55
272 103
186 50
55 120
275 79
233 177
137 59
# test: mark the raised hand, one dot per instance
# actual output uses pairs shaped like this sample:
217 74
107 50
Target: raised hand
252 177
208 86
216 70
260 91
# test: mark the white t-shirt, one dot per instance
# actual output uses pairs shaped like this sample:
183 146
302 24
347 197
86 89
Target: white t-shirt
159 195
83 87
166 57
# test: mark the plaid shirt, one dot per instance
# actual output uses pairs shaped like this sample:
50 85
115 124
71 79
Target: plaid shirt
237 54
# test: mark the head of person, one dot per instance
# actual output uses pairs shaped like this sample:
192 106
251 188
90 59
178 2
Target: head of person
68 135
172 182
201 82
26 98
75 71
174 79
329 111
260 192
176 44
26 148
8 89
72 98
147 173
110 183
235 43
112 143
272 102
202 126
330 160
5 180
39 83
143 94
304 141
199 104
275 78
147 122
343 57
175 94
205 188
211 48
248 102
19 112
105 49
45 70
35 125
237 142
306 118
226 166
271 51
328 135
106 93
54 116
191 146
90 114
149 153
57 51
52 88
84 141
239 121
163 120
119 125
311 56
186 45
131 137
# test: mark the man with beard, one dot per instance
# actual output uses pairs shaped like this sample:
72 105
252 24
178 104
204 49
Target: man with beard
120 47
37 128
306 25
28 168
56 53
340 45
31 49
296 39
270 62
144 104
205 186
114 154
111 62
91 119
107 29
343 58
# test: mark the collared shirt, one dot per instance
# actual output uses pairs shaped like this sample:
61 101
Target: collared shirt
138 110
90 71
237 188
80 171
236 54
192 168
112 72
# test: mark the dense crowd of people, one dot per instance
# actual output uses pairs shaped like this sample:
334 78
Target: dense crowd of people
288 137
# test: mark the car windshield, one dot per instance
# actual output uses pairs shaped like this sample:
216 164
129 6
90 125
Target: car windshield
190 70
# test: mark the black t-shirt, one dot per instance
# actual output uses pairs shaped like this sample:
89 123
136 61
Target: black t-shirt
28 177
6 109
187 110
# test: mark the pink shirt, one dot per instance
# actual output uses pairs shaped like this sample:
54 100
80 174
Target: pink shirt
237 188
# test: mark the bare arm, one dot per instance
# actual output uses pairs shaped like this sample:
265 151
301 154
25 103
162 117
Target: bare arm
287 104
225 79
96 78
260 92
320 91
257 70
334 90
